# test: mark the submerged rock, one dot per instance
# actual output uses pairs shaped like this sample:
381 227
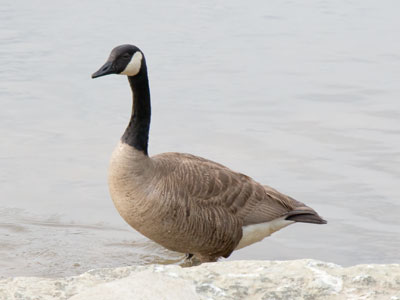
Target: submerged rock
297 279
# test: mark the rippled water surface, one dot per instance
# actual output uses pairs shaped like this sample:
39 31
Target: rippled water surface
302 96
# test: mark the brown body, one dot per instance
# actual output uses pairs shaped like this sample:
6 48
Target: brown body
192 205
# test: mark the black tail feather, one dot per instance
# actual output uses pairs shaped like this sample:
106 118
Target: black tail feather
305 216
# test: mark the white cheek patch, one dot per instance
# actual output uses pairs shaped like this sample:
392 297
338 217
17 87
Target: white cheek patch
134 65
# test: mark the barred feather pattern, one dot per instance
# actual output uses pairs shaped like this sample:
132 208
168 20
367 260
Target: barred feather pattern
189 204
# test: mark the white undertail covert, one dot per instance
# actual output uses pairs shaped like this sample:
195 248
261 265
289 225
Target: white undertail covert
257 232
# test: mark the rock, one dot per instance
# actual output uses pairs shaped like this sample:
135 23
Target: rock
146 284
298 279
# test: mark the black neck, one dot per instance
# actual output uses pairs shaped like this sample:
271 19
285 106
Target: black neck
137 132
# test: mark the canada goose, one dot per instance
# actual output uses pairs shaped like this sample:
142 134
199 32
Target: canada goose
183 202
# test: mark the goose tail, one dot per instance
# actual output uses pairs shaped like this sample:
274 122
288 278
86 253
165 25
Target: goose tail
305 215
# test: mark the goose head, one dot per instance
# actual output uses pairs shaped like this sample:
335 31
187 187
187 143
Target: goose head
125 60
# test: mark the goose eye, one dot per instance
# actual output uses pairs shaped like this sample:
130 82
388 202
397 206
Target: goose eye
126 55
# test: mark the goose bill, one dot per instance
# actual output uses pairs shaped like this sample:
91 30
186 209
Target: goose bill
106 69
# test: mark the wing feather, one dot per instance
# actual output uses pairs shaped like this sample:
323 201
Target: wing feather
203 183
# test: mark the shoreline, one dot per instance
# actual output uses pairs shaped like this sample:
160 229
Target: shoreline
296 279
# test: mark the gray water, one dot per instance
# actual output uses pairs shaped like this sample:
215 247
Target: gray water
302 96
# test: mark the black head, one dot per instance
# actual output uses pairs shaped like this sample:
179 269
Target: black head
124 59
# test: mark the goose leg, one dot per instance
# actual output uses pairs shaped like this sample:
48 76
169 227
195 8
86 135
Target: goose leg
190 261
